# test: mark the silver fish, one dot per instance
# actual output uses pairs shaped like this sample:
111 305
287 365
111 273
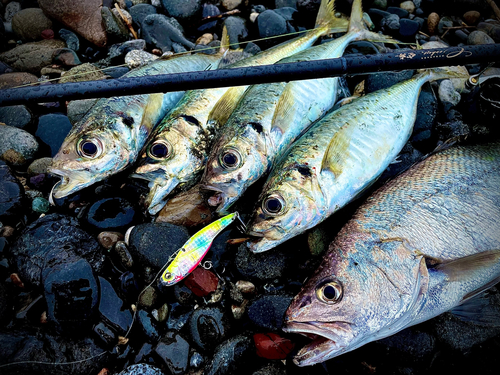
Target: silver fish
176 154
421 245
270 117
110 136
335 160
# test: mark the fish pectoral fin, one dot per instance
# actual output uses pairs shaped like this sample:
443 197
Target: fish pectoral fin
478 309
152 111
283 115
226 105
337 151
462 268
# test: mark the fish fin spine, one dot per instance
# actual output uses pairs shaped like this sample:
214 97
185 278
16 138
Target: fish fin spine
328 20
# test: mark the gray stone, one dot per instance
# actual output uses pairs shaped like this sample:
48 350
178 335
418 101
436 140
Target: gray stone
39 166
116 30
17 146
28 24
137 58
141 11
447 93
390 23
158 32
71 39
236 29
271 23
444 22
380 4
479 37
78 108
17 116
10 10
183 10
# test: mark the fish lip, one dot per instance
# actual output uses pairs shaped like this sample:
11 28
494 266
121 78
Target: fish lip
158 193
66 185
226 199
255 234
211 188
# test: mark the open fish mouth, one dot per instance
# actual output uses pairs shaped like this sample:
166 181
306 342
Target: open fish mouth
67 184
158 195
219 198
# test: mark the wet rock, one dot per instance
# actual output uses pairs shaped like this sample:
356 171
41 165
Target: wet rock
271 23
408 28
178 316
17 146
110 214
17 116
82 73
230 4
49 241
268 311
444 22
121 49
183 294
71 292
390 24
109 239
274 368
158 32
232 356
117 72
12 198
161 313
409 6
84 18
201 282
427 110
135 58
32 57
152 244
52 130
376 15
400 12
70 38
116 30
40 205
106 335
236 29
11 9
263 266
491 29
380 81
121 250
272 346
28 24
472 17
209 10
208 326
479 37
112 309
285 3
78 108
183 10
14 79
447 93
450 129
148 326
409 346
142 369
141 11
174 351
66 57
148 297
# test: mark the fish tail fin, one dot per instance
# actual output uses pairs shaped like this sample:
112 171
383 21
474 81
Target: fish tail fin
328 20
224 42
358 27
443 72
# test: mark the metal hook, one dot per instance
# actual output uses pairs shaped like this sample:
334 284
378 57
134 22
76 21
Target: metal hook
240 225
207 264
473 80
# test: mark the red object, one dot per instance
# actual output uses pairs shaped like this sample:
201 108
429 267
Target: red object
201 282
272 346
48 34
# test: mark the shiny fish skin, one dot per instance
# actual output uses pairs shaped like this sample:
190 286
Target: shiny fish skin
335 160
271 116
187 133
119 126
408 254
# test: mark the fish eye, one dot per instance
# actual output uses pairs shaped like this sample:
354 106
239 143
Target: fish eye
329 292
89 148
230 159
167 276
273 205
160 150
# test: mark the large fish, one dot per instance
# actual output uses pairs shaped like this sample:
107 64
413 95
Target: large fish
270 117
110 136
177 152
421 245
335 160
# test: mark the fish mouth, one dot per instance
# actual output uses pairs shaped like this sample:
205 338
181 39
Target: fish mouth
326 342
221 199
158 193
266 240
67 184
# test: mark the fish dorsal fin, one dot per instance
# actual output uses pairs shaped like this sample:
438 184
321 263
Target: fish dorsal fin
152 111
326 17
338 150
284 113
226 105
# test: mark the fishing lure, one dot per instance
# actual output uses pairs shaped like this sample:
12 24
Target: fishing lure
192 252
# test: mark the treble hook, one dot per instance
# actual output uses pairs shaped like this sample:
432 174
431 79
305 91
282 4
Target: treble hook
473 80
240 225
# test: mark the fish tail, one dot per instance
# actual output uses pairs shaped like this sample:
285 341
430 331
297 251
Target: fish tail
443 72
358 29
224 42
328 20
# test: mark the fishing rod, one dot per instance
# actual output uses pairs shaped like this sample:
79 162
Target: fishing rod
351 65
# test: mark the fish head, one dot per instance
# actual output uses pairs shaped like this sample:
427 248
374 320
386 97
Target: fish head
347 303
169 161
290 203
88 157
230 170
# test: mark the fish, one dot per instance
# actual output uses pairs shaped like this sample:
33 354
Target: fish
110 136
194 250
177 152
424 243
338 157
270 117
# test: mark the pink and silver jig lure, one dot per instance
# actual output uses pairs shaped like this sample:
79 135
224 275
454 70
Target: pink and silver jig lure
192 252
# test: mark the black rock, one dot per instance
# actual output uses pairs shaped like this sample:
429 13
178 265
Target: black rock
401 13
286 3
262 266
183 10
286 12
376 15
178 316
427 110
110 214
408 28
71 39
105 334
252 49
409 346
236 30
141 11
12 197
233 356
52 240
271 23
152 244
380 81
129 285
390 24
158 32
52 130
183 294
208 326
145 354
363 47
423 141
112 309
268 311
196 360
174 352
142 369
209 10
18 116
5 304
148 326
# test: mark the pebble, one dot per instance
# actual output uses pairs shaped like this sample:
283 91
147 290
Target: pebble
235 355
116 30
237 30
432 23
491 29
270 23
40 205
136 58
268 311
121 249
479 37
112 309
472 17
444 22
110 214
141 369
380 4
230 4
161 314
262 266
196 360
208 326
11 9
109 239
17 146
380 81
173 349
158 32
148 297
272 346
15 79
245 287
52 130
205 39
70 38
209 10
129 285
408 28
409 6
17 116
447 93
179 316
148 326
141 11
28 24
201 282
390 23
401 13
76 109
183 10
12 197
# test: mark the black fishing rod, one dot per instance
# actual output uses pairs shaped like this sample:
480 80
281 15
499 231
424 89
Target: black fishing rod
397 60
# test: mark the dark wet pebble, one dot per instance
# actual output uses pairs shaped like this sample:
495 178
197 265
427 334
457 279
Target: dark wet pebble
153 243
408 28
148 326
236 29
111 214
70 38
5 304
408 346
173 349
129 285
178 316
121 49
117 72
286 12
427 110
263 266
286 3
252 49
271 23
390 24
380 81
17 146
450 129
116 29
479 37
66 57
141 11
52 130
18 116
12 197
159 33
142 369
105 335
376 15
51 240
183 10
401 13
209 10
112 309
72 294
208 326
273 368
268 311
233 356
492 29
444 22
145 354
196 360
40 205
